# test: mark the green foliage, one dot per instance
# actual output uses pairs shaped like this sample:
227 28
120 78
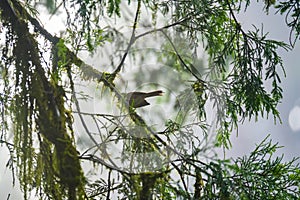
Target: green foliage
172 160
257 176
50 5
291 9
262 176
114 7
247 78
240 62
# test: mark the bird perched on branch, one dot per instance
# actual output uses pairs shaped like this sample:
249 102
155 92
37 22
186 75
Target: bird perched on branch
137 99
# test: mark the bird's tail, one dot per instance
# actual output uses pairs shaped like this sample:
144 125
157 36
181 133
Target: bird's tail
154 93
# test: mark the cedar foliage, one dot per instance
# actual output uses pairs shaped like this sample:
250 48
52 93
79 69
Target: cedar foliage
39 73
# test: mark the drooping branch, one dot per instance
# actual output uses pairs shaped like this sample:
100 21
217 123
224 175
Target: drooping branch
41 103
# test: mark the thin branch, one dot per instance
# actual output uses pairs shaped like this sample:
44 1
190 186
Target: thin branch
132 39
99 114
108 185
181 59
87 129
7 143
96 159
162 28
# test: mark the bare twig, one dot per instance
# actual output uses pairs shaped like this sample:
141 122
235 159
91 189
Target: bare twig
132 38
181 59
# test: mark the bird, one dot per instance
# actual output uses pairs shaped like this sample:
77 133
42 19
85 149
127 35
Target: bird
138 99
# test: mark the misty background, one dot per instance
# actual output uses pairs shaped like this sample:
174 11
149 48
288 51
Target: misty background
286 134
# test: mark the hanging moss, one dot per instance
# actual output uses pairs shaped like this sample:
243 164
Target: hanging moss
40 117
